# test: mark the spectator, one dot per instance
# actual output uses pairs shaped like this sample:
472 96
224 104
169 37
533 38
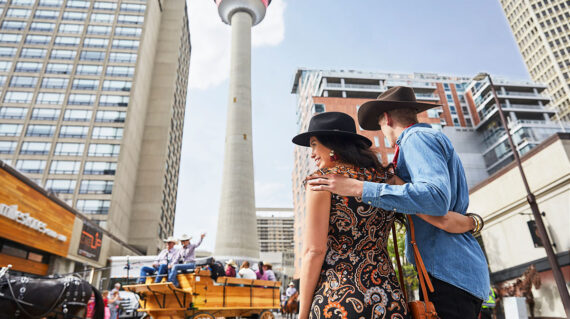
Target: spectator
105 295
113 304
259 272
231 268
246 272
268 273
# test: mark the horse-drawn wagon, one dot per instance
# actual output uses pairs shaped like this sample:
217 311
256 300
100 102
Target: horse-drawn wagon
202 296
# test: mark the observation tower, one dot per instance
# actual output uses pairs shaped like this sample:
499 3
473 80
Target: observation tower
237 227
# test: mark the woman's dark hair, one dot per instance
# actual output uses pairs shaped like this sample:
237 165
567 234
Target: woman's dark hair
260 266
351 151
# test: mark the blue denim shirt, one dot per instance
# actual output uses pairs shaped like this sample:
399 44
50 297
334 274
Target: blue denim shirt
435 184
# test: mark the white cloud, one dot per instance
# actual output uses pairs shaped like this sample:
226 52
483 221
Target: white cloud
210 60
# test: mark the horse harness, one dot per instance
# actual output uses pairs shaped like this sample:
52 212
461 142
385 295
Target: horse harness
69 283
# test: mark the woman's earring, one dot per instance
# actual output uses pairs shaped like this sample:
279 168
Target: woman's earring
333 156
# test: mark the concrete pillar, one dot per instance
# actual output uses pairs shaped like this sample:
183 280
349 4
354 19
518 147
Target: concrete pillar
237 226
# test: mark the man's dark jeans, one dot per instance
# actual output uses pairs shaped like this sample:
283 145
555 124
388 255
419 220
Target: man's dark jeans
451 302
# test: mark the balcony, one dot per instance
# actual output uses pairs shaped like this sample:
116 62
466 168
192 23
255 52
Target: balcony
427 97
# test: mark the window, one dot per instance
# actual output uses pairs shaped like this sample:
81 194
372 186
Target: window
35 148
73 131
125 44
22 2
23 81
100 168
99 30
131 7
99 5
110 85
95 43
69 149
92 56
433 113
390 157
13 113
42 26
7 52
10 38
123 57
79 4
106 133
63 54
128 32
5 66
96 187
45 114
38 39
50 98
130 19
387 143
66 41
54 83
31 166
452 109
110 116
102 17
114 100
58 68
64 167
8 147
86 69
61 186
40 130
122 71
81 99
33 53
51 3
104 149
70 28
74 16
46 14
2 80
93 206
84 84
77 115
13 25
18 97
18 13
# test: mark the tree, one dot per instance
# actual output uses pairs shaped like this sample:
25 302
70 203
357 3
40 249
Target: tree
410 274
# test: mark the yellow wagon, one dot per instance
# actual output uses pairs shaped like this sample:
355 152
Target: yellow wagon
202 297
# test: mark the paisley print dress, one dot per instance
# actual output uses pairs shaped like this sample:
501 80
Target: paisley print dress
357 279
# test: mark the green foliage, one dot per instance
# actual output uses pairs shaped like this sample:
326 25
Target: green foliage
410 275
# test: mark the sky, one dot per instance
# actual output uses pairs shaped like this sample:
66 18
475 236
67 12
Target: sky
448 37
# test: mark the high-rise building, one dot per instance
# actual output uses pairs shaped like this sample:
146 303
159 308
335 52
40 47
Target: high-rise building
542 31
93 98
275 229
235 237
468 115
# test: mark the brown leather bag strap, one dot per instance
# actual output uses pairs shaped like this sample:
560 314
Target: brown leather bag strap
422 272
400 272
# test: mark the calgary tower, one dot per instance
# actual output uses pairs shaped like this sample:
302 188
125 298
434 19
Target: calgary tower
237 227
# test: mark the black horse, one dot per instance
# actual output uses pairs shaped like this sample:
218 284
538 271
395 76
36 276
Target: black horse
66 297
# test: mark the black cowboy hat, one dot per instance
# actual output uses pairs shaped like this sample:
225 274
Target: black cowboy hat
394 98
330 123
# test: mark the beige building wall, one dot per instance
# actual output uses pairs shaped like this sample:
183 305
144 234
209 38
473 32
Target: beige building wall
542 32
501 201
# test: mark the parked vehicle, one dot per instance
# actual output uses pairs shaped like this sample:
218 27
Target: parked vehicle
129 305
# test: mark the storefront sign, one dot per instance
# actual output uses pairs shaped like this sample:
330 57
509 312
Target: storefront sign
25 219
90 243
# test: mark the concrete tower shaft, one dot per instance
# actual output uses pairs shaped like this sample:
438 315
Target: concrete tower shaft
237 227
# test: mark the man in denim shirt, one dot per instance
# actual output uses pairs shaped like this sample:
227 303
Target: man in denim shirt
435 184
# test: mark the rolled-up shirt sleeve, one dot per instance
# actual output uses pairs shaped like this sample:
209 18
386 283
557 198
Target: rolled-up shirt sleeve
429 190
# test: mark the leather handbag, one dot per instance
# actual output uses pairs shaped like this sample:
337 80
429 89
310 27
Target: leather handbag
419 309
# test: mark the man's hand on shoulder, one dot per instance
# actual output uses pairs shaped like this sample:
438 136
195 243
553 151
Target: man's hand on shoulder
336 184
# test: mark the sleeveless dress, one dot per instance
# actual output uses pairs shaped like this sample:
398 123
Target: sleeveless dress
357 279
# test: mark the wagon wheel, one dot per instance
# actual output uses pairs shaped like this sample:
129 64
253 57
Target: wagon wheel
266 315
202 315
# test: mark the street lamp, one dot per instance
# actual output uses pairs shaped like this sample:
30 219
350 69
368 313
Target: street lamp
560 283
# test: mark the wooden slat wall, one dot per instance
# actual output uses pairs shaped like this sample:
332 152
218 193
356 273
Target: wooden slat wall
24 265
15 192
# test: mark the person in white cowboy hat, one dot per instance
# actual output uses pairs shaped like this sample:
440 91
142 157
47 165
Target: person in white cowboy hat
184 259
291 290
231 268
162 262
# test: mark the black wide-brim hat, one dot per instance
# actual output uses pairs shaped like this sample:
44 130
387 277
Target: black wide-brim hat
394 98
330 124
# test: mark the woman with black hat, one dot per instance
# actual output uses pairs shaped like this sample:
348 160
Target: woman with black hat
345 238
